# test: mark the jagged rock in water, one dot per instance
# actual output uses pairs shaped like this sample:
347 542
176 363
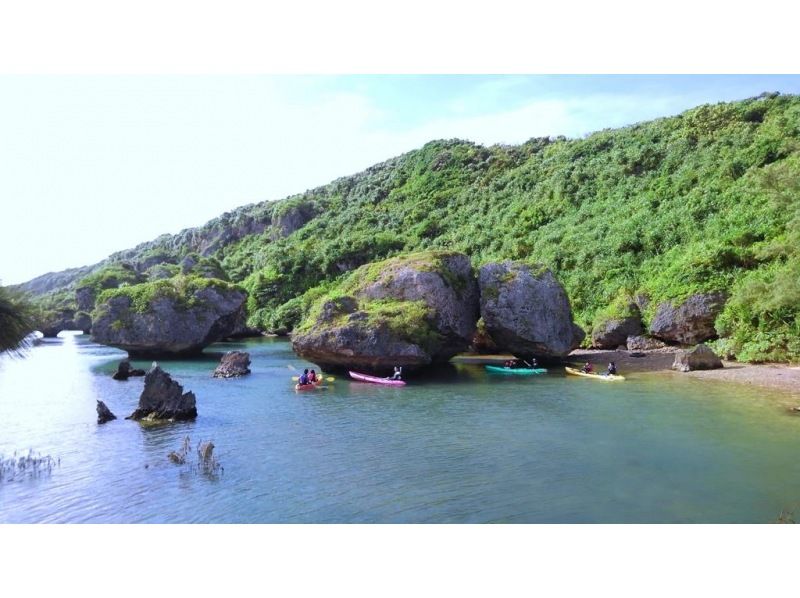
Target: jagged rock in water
526 310
409 311
233 364
163 399
700 357
125 371
104 413
643 343
180 318
691 322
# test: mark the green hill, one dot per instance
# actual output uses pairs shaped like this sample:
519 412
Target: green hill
707 200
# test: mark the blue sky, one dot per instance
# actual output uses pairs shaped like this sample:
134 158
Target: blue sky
93 164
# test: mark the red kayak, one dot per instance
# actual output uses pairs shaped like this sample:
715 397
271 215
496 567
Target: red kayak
375 379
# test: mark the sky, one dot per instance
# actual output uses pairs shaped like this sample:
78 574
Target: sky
90 165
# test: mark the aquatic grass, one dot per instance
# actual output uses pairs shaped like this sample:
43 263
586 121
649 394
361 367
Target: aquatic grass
204 461
26 466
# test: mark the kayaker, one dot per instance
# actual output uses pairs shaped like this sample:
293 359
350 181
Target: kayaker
587 368
612 369
303 378
398 373
312 377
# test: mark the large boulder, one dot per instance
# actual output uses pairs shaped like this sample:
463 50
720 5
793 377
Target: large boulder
691 322
410 311
643 343
233 364
173 317
163 399
614 332
700 357
526 310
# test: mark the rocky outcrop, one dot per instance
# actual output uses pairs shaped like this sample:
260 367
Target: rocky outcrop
125 371
233 364
526 311
104 414
57 321
482 341
242 330
700 357
163 399
411 311
168 317
690 322
614 332
291 218
643 343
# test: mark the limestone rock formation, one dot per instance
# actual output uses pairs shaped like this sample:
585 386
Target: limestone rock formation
125 371
163 399
643 343
526 311
700 357
104 413
233 364
689 323
168 317
410 311
615 332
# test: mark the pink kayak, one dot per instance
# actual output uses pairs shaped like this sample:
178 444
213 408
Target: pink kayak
375 379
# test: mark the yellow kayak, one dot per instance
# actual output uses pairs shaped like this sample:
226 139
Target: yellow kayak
606 377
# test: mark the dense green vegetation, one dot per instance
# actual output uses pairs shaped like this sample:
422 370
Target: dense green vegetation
707 200
183 290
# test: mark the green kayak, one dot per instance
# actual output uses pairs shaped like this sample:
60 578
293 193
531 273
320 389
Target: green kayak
496 369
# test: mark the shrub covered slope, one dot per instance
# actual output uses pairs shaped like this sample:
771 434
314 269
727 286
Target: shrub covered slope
707 200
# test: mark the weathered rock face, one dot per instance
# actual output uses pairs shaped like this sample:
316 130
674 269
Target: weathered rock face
615 332
85 298
61 320
163 399
411 311
482 341
293 219
83 322
242 330
691 322
643 343
233 364
168 325
125 371
527 312
104 414
700 357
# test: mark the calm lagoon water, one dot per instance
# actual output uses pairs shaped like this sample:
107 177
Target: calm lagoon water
464 447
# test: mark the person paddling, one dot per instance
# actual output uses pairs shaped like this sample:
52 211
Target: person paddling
398 373
612 369
587 368
312 377
303 378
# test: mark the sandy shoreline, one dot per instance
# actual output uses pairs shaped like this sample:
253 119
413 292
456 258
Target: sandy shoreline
779 377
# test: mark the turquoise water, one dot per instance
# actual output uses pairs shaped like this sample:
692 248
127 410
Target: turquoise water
464 447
